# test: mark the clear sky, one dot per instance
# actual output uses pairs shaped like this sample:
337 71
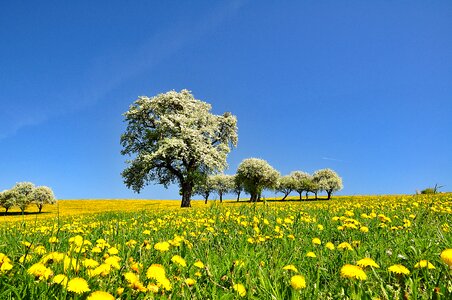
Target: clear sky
362 87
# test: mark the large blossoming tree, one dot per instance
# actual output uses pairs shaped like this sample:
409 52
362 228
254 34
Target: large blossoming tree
174 138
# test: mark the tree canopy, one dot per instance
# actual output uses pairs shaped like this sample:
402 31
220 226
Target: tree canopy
327 180
174 138
256 174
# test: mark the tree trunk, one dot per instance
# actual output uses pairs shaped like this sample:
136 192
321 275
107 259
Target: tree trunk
221 197
315 195
40 208
253 197
238 196
307 195
186 194
329 194
285 196
300 195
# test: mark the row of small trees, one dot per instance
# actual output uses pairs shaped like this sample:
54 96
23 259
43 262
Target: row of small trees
254 175
24 194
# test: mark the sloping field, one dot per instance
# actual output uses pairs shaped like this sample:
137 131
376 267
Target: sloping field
386 247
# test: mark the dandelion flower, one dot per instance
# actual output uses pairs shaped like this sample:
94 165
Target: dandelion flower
240 289
162 246
5 263
155 271
60 279
446 256
351 271
424 264
298 282
78 285
311 254
316 241
345 246
179 261
190 281
40 271
100 295
399 269
367 262
291 268
330 246
199 264
364 229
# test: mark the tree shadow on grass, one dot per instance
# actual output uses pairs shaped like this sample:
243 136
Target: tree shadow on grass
26 213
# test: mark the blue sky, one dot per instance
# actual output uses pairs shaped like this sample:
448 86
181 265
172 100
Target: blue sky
362 88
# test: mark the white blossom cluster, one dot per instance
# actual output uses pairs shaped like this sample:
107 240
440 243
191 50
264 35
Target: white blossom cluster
25 193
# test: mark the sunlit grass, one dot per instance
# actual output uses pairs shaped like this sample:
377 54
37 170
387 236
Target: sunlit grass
385 247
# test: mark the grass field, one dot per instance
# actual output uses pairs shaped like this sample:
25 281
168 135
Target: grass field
362 247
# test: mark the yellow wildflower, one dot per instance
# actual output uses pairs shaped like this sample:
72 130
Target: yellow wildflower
446 256
316 241
199 264
60 279
190 281
78 285
240 289
399 269
311 254
100 295
367 262
424 264
330 246
351 271
179 261
162 246
298 282
39 271
291 268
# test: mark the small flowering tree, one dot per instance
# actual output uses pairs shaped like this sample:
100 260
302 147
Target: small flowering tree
238 187
204 188
174 138
222 184
286 185
327 180
256 174
7 199
302 181
42 195
22 192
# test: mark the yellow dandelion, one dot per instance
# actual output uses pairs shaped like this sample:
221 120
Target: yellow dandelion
330 246
39 271
316 241
100 295
120 291
53 240
78 285
60 279
344 246
5 263
190 281
155 271
153 288
298 282
354 272
240 289
364 229
399 269
367 262
90 263
424 264
199 264
131 277
290 268
113 261
311 254
162 246
446 256
113 251
179 261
